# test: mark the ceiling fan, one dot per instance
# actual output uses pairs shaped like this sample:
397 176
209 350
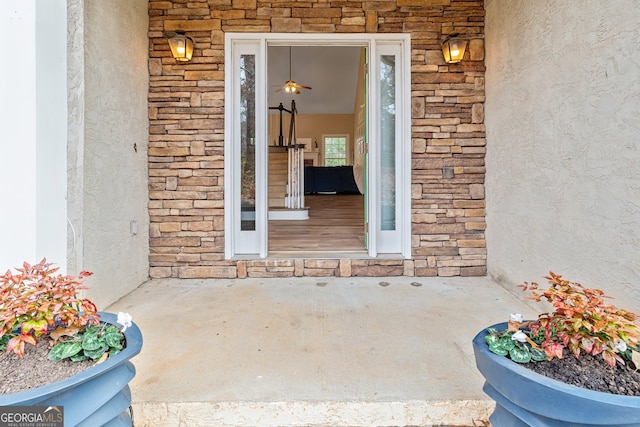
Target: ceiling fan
290 86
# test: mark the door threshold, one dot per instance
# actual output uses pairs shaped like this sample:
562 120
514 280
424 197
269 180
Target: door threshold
354 254
363 254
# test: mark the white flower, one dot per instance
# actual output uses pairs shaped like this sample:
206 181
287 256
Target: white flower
621 346
124 320
519 336
516 317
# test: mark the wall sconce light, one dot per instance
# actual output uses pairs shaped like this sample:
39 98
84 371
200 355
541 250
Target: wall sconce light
181 45
453 48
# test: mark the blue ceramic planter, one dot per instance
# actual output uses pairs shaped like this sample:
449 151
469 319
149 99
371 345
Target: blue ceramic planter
99 396
525 398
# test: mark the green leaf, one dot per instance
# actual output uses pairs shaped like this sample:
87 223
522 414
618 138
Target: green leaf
111 329
90 342
92 329
97 353
538 355
37 325
519 355
78 357
113 340
498 349
507 343
113 352
492 338
4 340
63 350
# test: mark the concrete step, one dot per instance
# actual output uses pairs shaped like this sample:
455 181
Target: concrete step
318 414
313 351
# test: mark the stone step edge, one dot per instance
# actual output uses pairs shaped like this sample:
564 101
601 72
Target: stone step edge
472 413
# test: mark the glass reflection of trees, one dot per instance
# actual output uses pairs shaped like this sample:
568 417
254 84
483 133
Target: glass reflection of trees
387 141
247 141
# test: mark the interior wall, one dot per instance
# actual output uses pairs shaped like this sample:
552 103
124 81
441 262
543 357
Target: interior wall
359 123
114 187
315 125
563 137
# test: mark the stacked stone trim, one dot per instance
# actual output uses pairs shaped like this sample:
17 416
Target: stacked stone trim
186 141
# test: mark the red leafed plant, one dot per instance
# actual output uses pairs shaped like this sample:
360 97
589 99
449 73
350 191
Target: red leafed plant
582 321
35 300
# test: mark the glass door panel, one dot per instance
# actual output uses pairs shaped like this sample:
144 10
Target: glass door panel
391 147
247 143
387 142
245 148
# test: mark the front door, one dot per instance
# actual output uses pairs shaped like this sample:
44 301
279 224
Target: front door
387 147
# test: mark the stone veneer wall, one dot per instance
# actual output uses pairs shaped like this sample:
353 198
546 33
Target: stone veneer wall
186 142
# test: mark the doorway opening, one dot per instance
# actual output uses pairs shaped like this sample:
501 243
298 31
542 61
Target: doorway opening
328 106
378 141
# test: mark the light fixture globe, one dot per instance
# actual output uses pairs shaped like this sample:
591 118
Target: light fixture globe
291 86
453 48
181 46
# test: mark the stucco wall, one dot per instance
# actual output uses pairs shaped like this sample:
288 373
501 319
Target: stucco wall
114 169
563 143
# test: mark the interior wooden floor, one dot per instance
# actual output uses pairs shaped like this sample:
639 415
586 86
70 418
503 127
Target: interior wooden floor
335 225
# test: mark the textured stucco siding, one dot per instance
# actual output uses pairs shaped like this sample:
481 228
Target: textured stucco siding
563 143
114 167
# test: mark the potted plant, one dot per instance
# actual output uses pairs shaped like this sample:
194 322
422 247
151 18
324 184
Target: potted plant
581 326
38 305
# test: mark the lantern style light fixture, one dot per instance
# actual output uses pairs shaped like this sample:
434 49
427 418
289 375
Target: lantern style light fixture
453 48
181 46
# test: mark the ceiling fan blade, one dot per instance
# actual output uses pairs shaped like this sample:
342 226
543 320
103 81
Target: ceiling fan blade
290 86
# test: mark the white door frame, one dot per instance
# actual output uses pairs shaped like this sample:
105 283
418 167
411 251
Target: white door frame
400 44
397 240
238 241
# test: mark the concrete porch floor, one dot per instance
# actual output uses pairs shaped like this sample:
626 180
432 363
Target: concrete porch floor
313 351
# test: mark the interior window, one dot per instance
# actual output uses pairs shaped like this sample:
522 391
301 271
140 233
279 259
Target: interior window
335 150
